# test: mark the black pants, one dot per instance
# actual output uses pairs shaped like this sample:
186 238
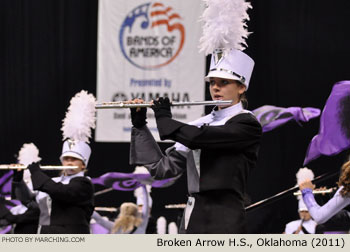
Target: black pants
217 212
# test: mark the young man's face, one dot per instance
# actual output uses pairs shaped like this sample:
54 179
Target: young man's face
72 161
305 215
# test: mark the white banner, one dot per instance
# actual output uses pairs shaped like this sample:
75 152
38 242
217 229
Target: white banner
148 49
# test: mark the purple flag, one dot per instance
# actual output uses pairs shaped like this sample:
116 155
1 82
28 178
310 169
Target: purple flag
12 203
5 183
6 230
271 117
334 133
130 181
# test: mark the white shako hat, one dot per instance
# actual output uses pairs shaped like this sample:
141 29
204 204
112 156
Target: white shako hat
80 119
78 149
224 35
232 64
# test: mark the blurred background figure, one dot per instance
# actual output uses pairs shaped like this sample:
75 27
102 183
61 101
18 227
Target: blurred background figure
161 225
140 201
130 220
172 228
305 225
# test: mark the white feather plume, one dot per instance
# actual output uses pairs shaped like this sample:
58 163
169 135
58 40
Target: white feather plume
304 174
28 154
224 25
161 225
80 117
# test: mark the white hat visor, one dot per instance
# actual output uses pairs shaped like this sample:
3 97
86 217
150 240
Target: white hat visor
72 154
223 75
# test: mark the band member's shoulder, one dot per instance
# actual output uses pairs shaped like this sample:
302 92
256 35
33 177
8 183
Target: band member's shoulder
246 117
82 179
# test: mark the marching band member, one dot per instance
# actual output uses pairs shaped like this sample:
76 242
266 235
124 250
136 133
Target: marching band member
339 201
218 150
71 195
305 225
66 202
141 201
25 216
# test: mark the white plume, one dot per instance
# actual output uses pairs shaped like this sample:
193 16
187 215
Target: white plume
28 154
80 117
172 228
304 174
224 25
161 225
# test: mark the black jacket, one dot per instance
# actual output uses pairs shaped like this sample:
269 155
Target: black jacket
227 153
72 203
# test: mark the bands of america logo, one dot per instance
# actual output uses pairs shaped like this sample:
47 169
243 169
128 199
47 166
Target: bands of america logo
152 36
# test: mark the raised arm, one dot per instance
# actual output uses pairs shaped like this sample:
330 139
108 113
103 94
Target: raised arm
20 189
321 214
238 133
103 222
78 190
144 150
